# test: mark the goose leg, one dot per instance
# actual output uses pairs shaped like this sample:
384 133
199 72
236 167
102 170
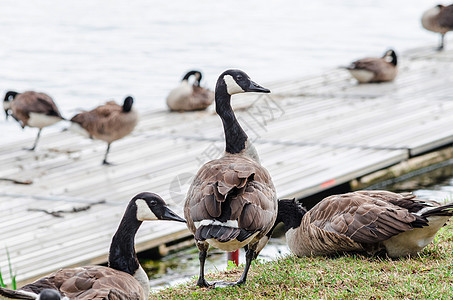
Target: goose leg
201 280
442 40
105 162
249 256
36 141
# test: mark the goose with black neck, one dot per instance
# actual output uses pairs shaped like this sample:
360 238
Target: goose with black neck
232 201
123 279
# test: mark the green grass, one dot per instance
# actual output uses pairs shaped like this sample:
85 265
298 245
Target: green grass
12 276
426 276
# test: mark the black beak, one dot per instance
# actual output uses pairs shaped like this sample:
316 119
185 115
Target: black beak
170 215
7 114
254 87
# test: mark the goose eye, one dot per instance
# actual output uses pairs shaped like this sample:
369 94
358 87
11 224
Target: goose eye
239 77
152 203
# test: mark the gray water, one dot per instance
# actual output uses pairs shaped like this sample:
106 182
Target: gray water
84 52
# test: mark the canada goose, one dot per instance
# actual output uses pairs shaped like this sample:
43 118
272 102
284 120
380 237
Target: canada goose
375 69
108 122
187 97
124 278
32 109
372 222
439 19
232 201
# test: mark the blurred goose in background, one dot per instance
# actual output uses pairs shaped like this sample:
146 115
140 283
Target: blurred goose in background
373 222
190 97
108 122
31 109
375 69
439 19
123 279
232 201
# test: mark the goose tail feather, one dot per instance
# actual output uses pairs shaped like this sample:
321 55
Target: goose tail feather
12 294
221 233
444 210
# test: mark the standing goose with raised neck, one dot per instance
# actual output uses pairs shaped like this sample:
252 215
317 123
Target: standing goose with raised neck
124 278
108 122
32 109
371 222
187 97
232 201
375 69
439 19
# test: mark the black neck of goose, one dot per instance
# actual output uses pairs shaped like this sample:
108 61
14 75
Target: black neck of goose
290 212
394 59
122 254
235 136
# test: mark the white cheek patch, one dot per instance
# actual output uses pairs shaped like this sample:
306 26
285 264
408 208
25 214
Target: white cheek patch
143 211
232 86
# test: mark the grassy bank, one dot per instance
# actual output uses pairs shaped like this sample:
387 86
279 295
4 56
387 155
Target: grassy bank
426 276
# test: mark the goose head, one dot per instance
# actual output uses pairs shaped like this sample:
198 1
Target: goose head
150 206
290 212
10 95
390 57
195 73
236 81
50 294
127 105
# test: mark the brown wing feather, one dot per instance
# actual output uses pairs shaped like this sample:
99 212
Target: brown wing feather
371 64
107 122
362 218
446 17
201 98
243 185
90 282
28 102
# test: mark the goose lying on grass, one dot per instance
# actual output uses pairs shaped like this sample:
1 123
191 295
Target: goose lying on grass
364 221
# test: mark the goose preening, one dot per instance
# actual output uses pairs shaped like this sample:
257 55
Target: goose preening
108 122
375 69
232 201
31 109
190 97
123 279
439 19
371 222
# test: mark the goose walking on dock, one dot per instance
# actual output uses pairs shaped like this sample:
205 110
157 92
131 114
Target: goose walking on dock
108 122
232 201
123 279
190 97
439 19
375 69
371 222
32 109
